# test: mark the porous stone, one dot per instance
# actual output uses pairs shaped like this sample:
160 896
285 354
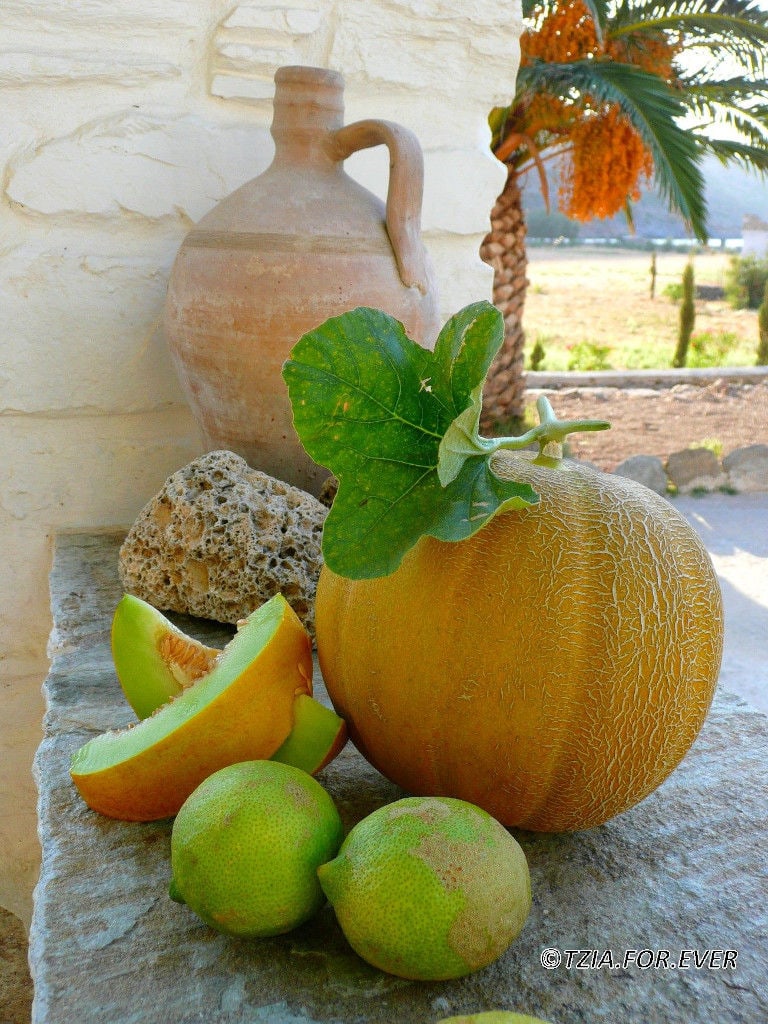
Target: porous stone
220 539
695 469
645 469
747 468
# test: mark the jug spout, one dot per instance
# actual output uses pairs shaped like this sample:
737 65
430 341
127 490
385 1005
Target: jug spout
308 109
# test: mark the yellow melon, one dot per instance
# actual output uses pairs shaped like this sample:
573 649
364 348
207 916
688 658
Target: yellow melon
553 669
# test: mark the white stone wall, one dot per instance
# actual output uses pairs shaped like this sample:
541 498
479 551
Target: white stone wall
755 243
123 122
754 235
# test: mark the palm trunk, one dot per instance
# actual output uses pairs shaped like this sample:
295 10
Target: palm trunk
504 249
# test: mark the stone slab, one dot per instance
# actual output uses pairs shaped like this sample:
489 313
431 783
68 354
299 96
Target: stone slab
684 870
646 378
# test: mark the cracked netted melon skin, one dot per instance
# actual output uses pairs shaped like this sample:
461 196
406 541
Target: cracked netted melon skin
553 669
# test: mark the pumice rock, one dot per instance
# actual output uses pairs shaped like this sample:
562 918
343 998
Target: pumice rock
220 539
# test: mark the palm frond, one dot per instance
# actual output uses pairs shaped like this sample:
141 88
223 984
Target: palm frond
750 158
653 109
736 29
599 10
741 113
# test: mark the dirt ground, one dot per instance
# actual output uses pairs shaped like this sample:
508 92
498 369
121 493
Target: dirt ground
15 982
603 297
644 422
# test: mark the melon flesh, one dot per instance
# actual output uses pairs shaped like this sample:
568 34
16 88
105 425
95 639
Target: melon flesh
318 735
154 660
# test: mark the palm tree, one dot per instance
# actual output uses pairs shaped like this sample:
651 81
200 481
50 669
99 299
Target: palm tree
621 93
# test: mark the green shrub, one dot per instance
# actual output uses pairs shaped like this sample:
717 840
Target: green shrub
537 355
673 291
745 282
589 355
714 444
708 349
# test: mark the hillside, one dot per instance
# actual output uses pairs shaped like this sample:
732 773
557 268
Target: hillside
731 194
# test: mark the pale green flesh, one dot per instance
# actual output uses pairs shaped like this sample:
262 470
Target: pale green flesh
315 728
113 747
145 678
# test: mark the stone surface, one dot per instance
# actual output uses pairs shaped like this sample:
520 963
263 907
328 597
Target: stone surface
140 164
747 468
645 469
684 870
733 529
220 539
34 66
695 469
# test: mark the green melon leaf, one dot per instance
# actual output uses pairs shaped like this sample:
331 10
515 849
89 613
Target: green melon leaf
374 408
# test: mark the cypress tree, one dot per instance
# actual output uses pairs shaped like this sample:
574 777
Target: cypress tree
762 326
687 317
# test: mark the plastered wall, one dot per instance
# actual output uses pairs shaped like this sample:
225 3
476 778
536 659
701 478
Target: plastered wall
123 122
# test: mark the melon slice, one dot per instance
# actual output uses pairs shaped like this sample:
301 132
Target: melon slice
242 710
154 660
318 735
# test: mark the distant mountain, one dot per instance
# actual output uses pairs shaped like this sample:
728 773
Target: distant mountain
731 194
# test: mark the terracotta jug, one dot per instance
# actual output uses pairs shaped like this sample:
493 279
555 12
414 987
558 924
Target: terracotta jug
300 243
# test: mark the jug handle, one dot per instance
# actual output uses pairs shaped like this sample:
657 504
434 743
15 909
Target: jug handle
404 194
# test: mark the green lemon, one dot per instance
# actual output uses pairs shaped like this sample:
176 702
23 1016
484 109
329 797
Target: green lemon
493 1017
429 888
246 845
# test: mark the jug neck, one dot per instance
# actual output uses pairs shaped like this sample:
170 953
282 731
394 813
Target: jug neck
308 109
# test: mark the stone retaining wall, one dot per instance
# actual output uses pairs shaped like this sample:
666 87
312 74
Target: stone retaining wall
698 470
645 378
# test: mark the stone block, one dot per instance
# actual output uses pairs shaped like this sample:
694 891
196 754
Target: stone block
294 18
448 39
747 468
148 164
42 67
93 342
220 539
645 469
695 469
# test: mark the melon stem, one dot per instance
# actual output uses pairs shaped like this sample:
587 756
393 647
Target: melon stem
549 433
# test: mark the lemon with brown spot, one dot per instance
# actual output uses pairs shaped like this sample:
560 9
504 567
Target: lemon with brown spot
429 888
246 845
